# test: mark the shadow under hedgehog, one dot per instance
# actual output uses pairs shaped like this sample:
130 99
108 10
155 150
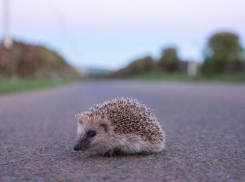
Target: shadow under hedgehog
124 126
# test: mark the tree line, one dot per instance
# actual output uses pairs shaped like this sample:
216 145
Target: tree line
223 54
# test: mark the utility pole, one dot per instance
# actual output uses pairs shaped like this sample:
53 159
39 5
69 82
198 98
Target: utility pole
7 40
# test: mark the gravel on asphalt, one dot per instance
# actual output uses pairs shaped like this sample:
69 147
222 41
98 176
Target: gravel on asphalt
204 124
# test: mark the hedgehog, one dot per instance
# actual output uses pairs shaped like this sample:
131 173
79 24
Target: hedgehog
120 126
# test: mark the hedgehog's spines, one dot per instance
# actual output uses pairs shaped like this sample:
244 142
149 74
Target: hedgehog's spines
128 116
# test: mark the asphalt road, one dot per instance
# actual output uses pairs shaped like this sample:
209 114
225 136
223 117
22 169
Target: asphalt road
204 124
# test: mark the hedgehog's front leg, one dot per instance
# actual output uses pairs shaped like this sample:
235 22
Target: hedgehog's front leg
110 153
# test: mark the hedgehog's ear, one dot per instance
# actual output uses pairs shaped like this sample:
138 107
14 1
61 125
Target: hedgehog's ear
77 116
105 124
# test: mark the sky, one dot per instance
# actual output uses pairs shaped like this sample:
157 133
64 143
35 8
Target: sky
109 34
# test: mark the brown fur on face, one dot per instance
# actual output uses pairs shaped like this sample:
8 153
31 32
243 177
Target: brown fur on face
99 127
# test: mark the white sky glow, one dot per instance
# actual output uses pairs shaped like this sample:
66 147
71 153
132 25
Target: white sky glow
111 33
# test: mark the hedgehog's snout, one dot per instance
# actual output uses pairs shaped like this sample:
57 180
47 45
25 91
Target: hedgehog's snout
77 147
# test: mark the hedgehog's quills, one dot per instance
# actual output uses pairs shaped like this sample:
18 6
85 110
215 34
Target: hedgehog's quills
121 125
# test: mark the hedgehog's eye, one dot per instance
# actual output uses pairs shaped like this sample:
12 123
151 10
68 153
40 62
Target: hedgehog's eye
91 133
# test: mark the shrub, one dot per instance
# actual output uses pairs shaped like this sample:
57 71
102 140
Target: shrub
169 60
222 54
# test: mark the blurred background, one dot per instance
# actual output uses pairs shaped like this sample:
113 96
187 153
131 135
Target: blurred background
54 42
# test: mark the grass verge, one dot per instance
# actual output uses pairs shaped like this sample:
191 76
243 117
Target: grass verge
157 75
12 85
239 77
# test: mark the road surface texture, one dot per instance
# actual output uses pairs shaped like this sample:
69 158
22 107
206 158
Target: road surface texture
204 124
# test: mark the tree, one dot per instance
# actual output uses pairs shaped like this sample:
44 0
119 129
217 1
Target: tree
222 54
168 61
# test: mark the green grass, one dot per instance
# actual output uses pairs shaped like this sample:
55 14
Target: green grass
229 77
157 75
12 85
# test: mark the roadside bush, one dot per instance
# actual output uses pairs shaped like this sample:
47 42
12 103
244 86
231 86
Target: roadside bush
142 65
169 60
29 61
222 54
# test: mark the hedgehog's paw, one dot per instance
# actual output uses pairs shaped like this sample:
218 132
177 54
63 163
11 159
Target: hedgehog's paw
110 153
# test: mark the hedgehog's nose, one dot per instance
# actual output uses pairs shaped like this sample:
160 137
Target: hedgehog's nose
77 147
